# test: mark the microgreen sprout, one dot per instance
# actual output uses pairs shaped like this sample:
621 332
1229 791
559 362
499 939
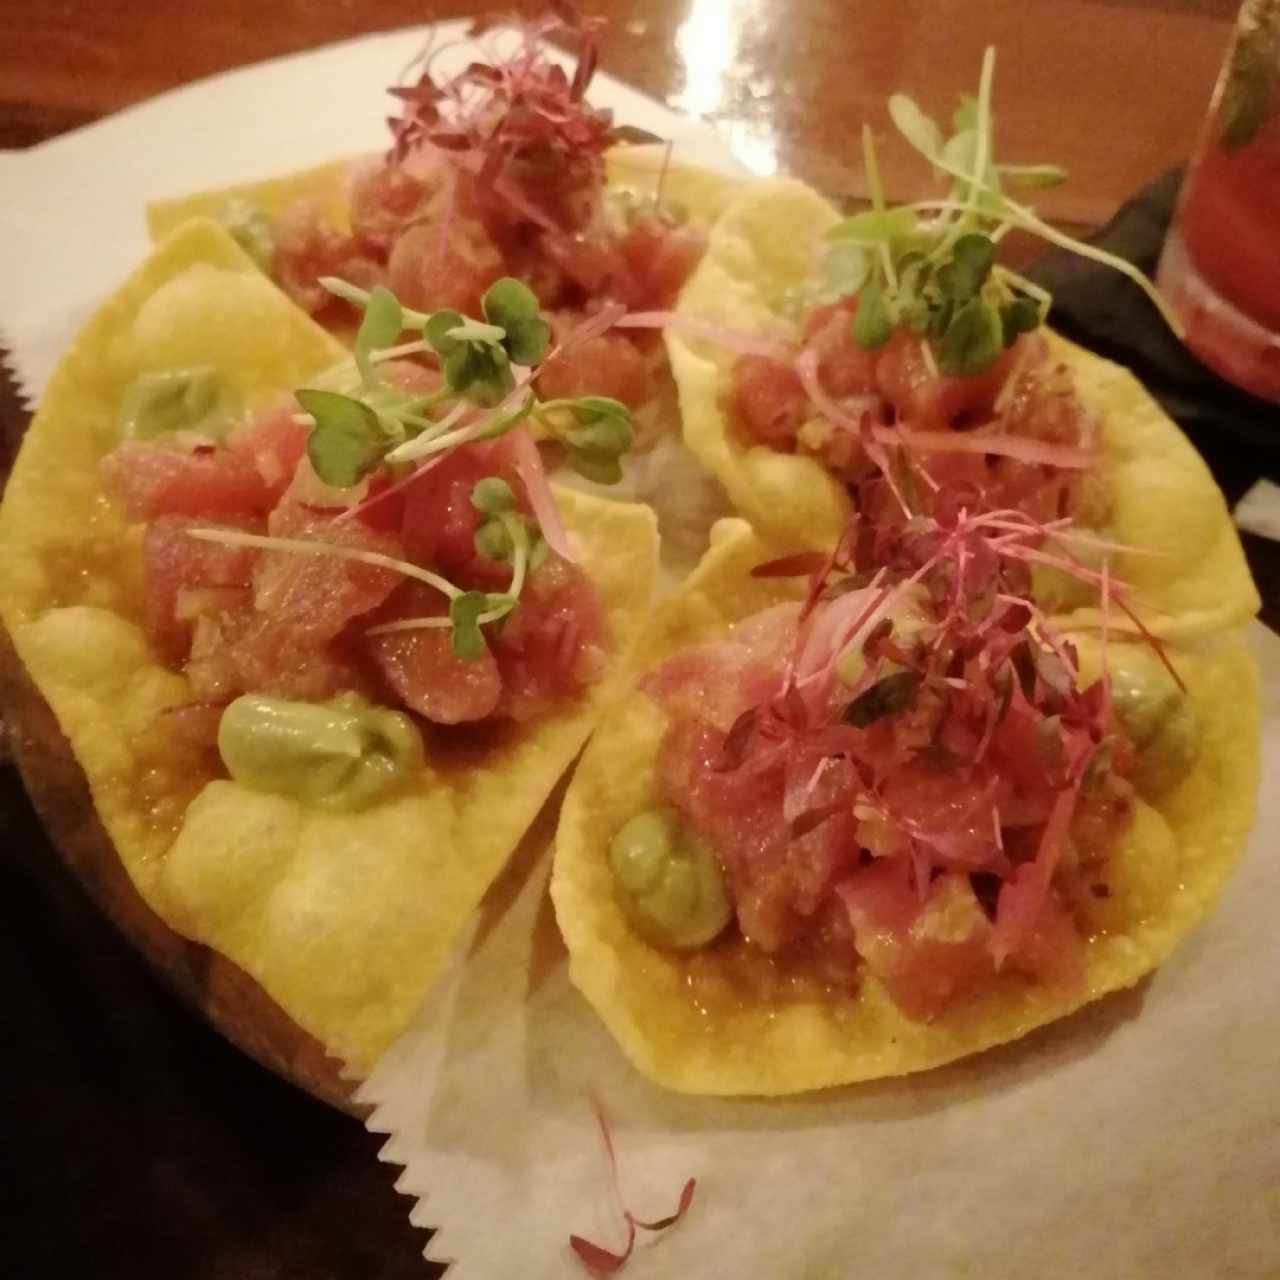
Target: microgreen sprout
360 421
475 357
366 420
929 266
347 440
597 431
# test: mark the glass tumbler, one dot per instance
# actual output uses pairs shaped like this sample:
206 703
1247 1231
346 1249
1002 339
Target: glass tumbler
1220 267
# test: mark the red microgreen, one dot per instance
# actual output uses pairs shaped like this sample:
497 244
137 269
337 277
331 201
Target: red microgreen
800 565
814 818
736 741
521 106
605 1262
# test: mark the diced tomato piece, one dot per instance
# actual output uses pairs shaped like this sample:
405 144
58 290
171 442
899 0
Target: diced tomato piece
174 562
440 522
534 196
926 955
422 669
307 249
926 401
212 668
593 267
609 364
529 262
739 813
781 874
382 507
948 812
431 267
660 259
1026 791
315 596
553 643
274 657
820 791
771 403
716 683
410 376
1053 952
195 724
163 479
276 442
384 197
881 898
844 367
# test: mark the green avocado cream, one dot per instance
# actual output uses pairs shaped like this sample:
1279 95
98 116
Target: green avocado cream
1154 712
251 230
1158 717
168 400
669 883
340 754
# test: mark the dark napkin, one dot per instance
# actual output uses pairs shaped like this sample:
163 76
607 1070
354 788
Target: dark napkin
1094 305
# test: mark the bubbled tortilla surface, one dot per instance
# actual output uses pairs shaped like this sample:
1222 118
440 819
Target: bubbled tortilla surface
1187 573
342 917
322 189
736 1048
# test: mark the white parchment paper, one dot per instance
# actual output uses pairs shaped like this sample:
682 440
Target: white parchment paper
1139 1138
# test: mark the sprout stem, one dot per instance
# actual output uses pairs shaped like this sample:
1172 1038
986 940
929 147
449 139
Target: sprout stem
305 547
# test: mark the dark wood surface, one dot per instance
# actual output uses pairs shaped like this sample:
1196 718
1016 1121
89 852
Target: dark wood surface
145 1145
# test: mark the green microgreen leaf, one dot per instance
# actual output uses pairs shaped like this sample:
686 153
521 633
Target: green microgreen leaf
604 426
493 540
973 340
438 331
499 424
872 321
381 325
961 150
874 225
603 468
965 115
513 306
843 270
918 129
1018 317
538 554
915 313
476 359
588 409
508 301
492 495
940 317
887 696
346 442
964 274
464 614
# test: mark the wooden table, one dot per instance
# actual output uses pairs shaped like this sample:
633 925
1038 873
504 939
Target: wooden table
149 1147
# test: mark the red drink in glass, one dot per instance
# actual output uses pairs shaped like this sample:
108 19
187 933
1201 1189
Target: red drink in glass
1221 264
